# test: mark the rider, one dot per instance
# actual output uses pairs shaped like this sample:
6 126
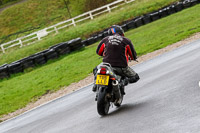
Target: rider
116 50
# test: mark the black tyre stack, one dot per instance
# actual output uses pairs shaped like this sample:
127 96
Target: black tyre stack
163 13
124 27
100 36
51 54
75 44
139 21
4 71
39 58
61 48
88 41
15 67
131 24
147 19
154 16
27 62
179 6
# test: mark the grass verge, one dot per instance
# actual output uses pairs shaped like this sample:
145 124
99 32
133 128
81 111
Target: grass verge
37 13
131 10
21 89
9 3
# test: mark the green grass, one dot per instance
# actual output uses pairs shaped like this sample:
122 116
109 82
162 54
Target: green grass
9 3
37 14
132 10
23 88
157 35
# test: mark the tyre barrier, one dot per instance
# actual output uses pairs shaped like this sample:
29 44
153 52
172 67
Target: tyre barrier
85 42
61 48
139 22
105 33
124 27
27 62
187 3
171 9
4 71
88 41
163 13
194 2
97 38
131 24
100 36
179 6
51 54
146 19
154 16
75 44
64 48
39 58
15 67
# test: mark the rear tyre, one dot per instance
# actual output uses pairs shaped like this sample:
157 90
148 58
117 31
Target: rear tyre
103 103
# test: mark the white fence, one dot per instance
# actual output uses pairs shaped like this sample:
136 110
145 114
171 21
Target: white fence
31 38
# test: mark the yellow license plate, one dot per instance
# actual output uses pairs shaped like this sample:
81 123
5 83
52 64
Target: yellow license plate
102 80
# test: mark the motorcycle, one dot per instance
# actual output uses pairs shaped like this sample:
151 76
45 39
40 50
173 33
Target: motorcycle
110 88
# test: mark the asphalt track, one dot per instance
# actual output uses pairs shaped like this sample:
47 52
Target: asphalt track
165 100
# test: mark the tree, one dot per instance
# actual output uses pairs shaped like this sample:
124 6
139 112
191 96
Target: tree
66 4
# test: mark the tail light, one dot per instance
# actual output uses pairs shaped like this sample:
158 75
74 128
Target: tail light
103 70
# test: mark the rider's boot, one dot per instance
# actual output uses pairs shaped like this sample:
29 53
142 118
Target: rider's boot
94 88
134 79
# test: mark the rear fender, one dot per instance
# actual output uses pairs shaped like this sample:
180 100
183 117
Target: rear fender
102 88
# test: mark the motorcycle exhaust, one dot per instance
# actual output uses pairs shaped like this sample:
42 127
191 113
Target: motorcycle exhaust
116 88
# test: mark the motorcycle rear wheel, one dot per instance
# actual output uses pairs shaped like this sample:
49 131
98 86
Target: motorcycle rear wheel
103 103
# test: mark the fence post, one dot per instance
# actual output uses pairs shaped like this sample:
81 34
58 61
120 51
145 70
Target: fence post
73 22
91 15
38 37
21 44
109 10
3 50
56 30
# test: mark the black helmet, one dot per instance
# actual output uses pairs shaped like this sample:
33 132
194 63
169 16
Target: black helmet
116 29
